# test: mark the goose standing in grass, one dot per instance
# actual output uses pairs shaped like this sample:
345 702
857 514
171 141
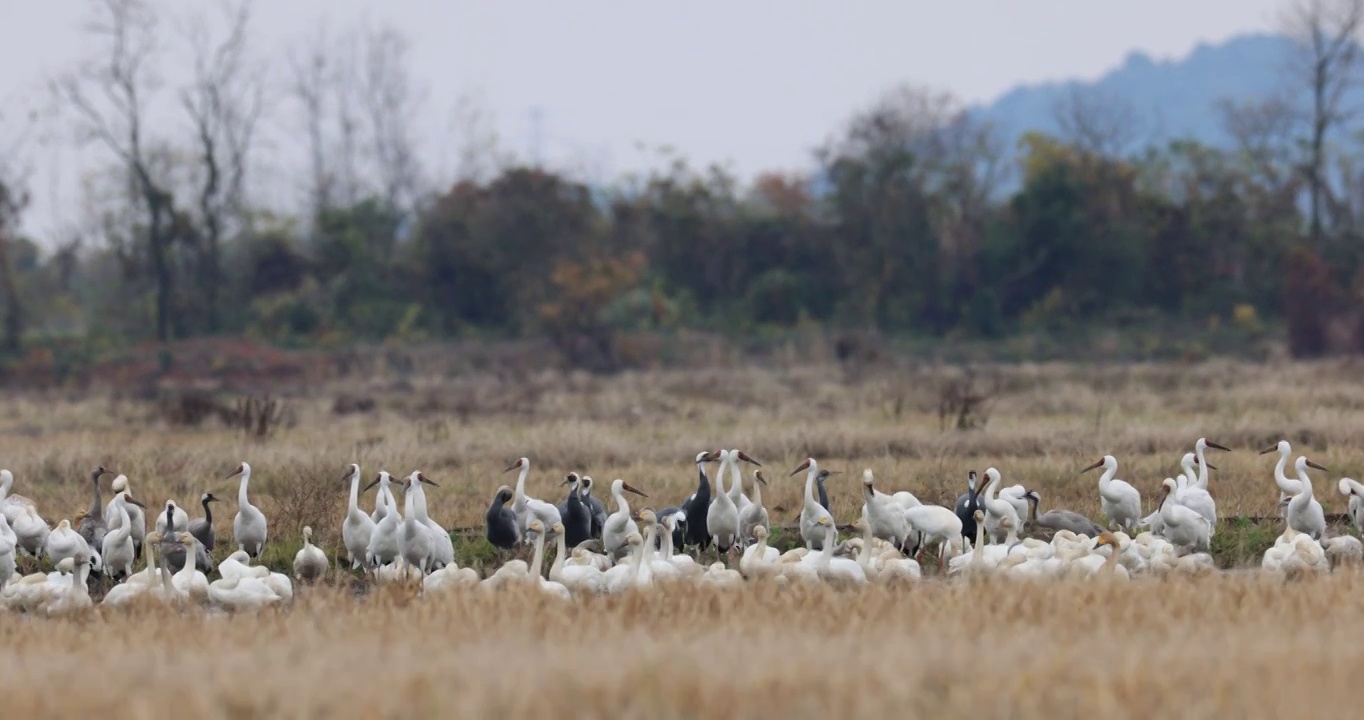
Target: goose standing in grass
811 531
172 519
383 542
1060 519
1120 502
357 528
1304 512
576 513
189 581
92 527
202 528
755 514
575 577
619 525
526 506
503 531
117 550
310 563
759 559
135 515
249 526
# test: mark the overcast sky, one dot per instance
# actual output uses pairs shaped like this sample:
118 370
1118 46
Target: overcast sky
755 83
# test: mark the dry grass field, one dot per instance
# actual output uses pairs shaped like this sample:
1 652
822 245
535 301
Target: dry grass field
1234 645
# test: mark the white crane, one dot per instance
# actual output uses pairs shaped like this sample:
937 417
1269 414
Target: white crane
1288 487
1120 502
357 528
811 531
1355 492
998 513
383 541
619 526
1304 512
1192 492
415 541
722 518
754 515
1184 527
249 526
525 506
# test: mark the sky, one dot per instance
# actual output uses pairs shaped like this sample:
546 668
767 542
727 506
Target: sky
755 85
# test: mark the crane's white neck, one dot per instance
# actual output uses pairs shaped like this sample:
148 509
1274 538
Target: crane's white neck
736 476
354 491
521 480
241 489
810 483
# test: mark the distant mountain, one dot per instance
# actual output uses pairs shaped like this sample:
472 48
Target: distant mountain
1169 99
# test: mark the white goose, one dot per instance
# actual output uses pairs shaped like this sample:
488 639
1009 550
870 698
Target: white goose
310 563
576 577
249 526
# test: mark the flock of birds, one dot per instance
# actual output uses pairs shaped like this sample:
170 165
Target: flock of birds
601 552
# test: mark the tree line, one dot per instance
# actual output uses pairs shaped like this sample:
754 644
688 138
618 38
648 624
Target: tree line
913 218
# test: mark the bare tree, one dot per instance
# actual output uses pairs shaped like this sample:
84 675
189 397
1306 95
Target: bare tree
1327 62
391 101
1096 122
1263 132
224 103
308 86
109 95
13 199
